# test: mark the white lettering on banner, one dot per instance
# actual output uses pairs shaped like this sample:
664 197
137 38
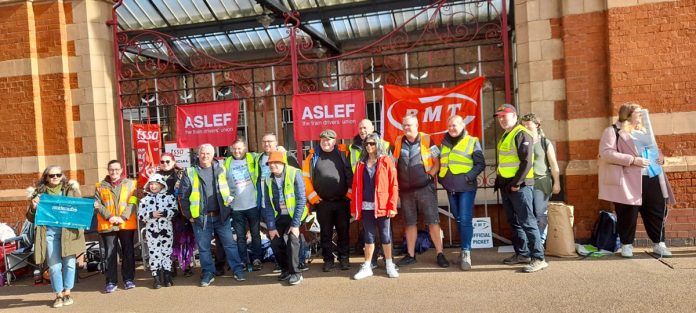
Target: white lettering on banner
206 121
338 111
145 136
64 208
434 113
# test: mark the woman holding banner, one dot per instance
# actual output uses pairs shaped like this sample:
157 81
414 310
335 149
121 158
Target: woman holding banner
57 245
630 167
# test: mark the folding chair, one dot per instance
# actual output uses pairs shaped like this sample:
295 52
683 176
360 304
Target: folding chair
18 253
94 251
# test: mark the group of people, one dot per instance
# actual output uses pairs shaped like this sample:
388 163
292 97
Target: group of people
365 181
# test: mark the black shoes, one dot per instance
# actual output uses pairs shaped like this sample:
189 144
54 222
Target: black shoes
283 276
406 260
168 279
157 283
442 261
328 266
344 264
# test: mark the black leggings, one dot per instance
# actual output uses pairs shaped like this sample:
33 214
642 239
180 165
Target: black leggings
653 211
113 242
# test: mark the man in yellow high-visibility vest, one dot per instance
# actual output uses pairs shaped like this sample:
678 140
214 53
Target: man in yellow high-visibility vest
284 210
205 201
515 180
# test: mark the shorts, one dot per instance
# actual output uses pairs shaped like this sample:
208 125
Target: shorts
423 200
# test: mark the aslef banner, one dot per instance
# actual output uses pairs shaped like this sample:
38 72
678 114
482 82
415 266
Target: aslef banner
432 107
147 142
213 122
340 111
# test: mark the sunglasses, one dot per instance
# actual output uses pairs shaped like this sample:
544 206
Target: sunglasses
165 161
59 175
370 143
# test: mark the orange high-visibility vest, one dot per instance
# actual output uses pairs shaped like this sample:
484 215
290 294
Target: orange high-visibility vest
426 155
312 196
126 196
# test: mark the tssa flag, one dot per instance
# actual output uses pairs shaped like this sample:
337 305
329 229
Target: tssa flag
432 107
147 142
340 111
214 123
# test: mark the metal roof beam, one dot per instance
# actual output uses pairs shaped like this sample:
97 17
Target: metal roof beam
279 9
314 14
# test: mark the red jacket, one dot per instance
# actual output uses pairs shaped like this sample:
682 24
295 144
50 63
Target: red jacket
386 188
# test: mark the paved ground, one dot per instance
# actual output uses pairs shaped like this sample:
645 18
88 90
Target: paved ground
610 284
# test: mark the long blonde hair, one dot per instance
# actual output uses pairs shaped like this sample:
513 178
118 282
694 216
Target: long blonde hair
625 111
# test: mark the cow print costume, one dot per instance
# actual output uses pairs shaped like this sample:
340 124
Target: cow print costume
159 231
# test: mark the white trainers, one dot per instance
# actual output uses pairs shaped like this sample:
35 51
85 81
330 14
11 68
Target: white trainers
465 260
627 251
364 272
391 271
661 250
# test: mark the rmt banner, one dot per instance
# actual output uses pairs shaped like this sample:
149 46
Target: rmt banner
340 111
432 107
214 123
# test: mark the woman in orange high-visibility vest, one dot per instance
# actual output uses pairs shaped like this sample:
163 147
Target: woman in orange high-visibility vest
117 222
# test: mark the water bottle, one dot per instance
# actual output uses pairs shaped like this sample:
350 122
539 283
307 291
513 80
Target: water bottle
38 279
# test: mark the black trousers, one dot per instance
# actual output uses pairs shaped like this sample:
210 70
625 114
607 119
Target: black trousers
653 211
286 248
332 214
113 242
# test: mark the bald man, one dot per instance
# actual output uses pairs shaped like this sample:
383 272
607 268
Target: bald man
365 127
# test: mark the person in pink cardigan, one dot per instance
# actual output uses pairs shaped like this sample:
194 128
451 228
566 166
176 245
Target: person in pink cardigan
624 180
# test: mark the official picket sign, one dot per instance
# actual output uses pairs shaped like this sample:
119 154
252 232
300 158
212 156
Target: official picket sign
315 112
182 156
67 212
483 233
432 107
214 123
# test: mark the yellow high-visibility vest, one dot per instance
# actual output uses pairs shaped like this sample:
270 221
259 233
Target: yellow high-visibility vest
251 164
195 197
288 193
508 161
459 159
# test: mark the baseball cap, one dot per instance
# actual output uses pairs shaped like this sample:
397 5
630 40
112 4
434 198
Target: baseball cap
505 108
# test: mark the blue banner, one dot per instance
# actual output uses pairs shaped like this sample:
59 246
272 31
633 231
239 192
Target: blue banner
652 154
67 212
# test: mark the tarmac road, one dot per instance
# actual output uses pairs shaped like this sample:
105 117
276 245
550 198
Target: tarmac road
609 284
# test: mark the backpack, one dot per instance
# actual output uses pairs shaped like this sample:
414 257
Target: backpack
423 242
604 235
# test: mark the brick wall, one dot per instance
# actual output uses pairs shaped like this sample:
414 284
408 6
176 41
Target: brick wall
17 109
36 82
651 51
641 54
14 42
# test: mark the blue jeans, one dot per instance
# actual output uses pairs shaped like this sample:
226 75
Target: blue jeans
519 209
541 210
62 269
239 222
462 207
203 230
